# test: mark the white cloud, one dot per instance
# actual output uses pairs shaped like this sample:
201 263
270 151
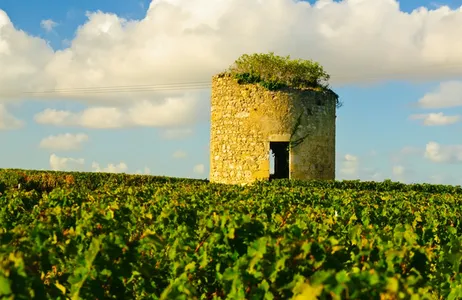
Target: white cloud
349 34
48 24
373 38
199 169
66 163
436 119
4 19
53 117
23 59
177 133
179 154
349 166
448 94
352 167
168 113
64 142
443 153
349 157
8 121
401 173
110 168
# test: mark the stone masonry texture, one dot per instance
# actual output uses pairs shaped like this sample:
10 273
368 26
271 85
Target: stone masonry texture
245 118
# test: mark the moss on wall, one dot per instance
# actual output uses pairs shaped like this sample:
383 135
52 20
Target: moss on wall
246 117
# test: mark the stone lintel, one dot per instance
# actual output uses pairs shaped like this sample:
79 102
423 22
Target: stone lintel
279 138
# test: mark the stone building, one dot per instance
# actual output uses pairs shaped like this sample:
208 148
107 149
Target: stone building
251 125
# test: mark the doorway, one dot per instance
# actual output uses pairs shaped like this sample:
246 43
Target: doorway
279 160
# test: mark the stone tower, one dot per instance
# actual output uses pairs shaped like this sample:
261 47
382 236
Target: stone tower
251 125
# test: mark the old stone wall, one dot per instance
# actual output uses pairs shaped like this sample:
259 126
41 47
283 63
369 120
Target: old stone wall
245 118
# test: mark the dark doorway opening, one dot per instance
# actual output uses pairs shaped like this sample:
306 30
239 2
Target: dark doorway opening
279 156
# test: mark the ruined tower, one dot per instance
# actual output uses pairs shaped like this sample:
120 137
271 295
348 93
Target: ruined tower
252 125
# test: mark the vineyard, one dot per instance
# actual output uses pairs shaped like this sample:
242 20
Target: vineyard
116 236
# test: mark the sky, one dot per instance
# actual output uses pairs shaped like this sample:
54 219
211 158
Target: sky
124 85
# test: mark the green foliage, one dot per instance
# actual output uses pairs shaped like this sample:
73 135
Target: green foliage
276 72
107 236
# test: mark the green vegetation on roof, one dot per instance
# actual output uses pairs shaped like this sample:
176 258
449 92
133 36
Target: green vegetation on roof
275 72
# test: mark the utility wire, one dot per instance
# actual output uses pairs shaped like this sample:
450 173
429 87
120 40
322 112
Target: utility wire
115 89
207 84
120 89
147 86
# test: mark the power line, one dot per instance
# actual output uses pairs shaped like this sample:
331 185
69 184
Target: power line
207 84
149 86
116 89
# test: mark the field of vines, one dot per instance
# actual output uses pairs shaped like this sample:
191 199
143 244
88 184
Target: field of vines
116 236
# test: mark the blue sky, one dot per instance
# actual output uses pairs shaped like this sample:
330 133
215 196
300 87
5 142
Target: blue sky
384 130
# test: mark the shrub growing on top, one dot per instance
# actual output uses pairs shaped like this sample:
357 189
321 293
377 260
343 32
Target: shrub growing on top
275 72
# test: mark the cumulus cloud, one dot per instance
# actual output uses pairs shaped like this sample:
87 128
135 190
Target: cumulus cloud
110 168
66 163
64 142
168 113
447 94
373 38
48 24
443 153
199 169
7 120
179 154
435 119
129 70
23 59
